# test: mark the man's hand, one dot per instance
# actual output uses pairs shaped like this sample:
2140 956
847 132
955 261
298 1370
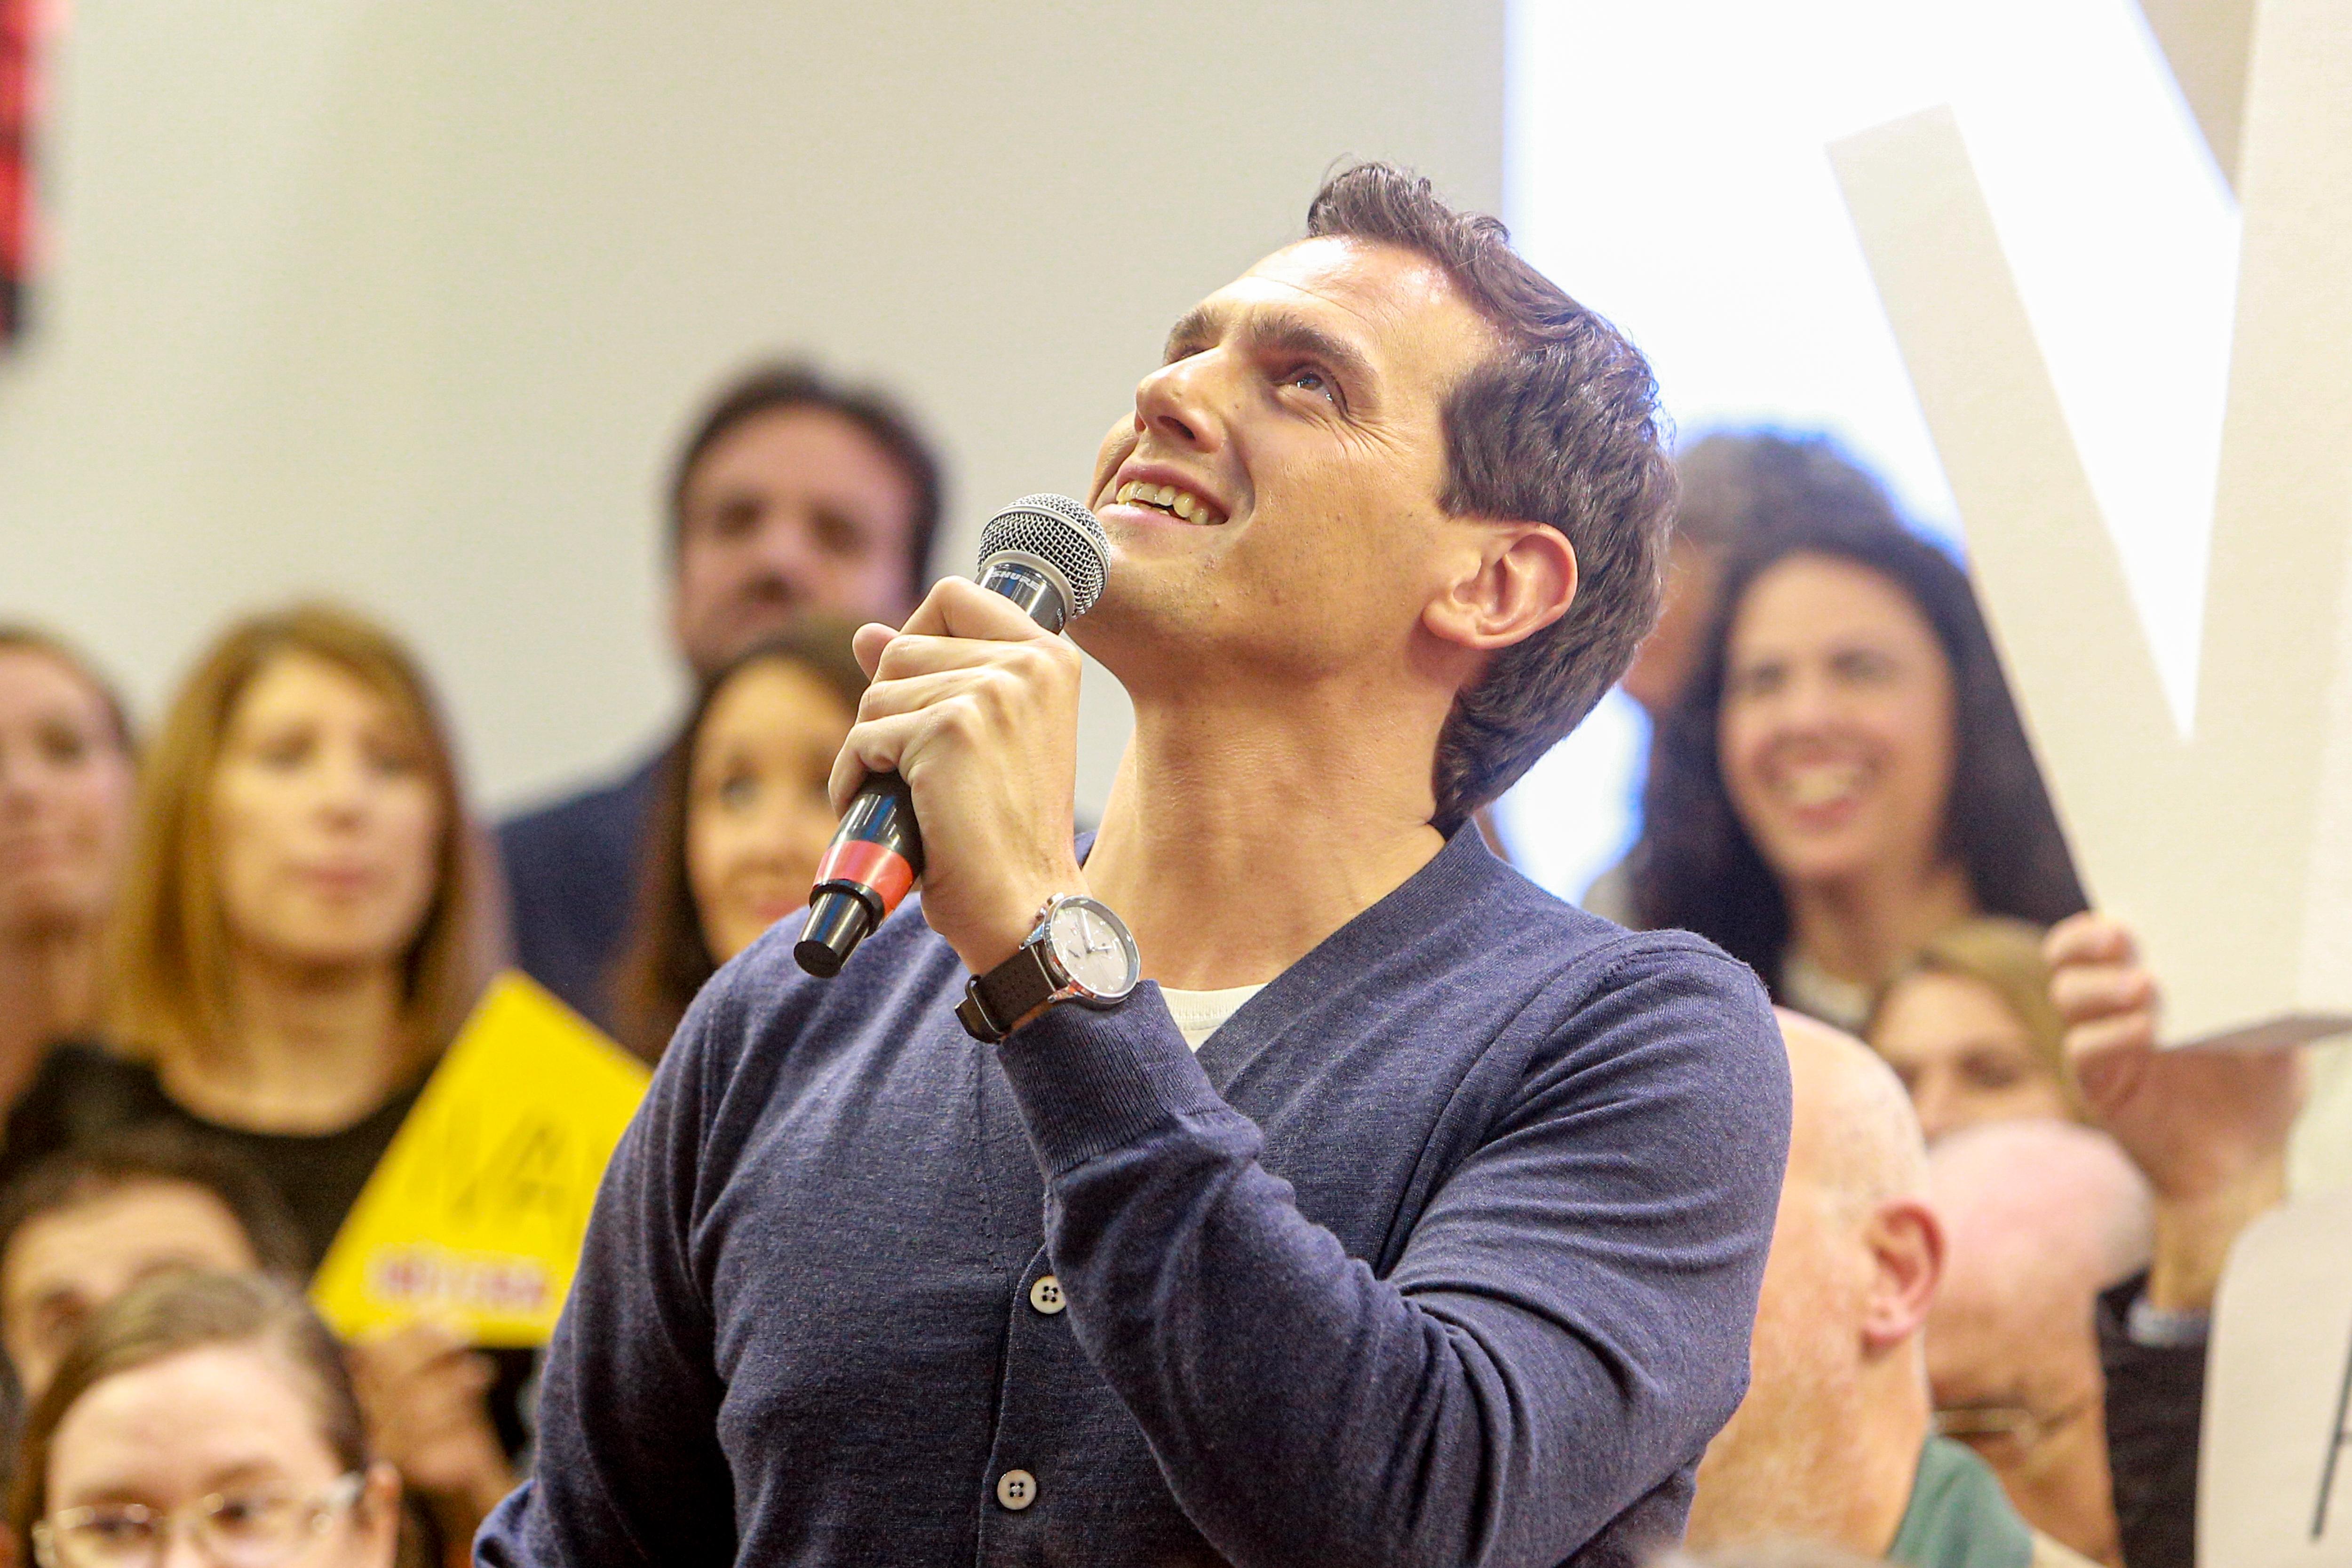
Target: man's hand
423 1391
2207 1126
977 707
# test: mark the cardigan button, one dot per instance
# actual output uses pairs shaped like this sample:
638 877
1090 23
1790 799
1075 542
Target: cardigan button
1016 1490
1046 1296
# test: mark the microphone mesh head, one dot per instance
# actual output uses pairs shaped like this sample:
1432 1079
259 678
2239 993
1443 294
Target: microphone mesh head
1062 530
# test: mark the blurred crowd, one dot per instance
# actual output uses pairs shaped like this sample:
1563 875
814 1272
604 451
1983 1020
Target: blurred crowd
234 945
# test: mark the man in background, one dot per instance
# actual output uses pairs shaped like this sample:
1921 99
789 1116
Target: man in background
793 493
2041 1215
1833 1444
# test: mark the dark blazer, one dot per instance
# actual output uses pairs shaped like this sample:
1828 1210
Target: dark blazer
571 875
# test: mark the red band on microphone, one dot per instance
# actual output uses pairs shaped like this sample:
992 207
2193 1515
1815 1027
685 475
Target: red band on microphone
870 864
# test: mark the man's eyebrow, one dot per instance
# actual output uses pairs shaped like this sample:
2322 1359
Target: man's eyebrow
1276 331
1195 326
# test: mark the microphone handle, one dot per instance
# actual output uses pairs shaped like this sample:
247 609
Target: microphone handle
877 853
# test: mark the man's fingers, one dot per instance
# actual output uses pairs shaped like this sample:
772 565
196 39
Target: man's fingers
874 746
867 642
909 654
943 631
960 608
968 610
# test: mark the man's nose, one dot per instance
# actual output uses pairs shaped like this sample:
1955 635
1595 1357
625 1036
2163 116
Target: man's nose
1178 403
784 549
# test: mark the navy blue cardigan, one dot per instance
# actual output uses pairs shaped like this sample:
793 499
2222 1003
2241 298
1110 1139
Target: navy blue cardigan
1443 1250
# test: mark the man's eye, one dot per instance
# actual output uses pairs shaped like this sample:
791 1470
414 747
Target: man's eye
837 535
732 517
739 793
1307 378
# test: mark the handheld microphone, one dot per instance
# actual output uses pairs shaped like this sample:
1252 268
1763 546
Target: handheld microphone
1047 554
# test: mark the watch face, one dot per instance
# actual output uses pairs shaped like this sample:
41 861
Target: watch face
1093 947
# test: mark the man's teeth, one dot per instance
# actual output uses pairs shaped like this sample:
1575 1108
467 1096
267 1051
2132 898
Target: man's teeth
1169 499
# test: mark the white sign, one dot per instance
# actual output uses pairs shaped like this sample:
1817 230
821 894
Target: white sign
2274 1487
2228 848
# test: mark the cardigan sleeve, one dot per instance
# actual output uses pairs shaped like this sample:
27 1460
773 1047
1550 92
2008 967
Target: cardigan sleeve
629 1469
1567 1325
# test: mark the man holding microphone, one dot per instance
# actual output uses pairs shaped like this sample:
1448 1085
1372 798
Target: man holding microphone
1403 1213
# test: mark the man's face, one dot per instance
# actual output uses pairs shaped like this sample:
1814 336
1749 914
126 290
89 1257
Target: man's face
1296 431
1803 1363
2015 1367
62 1265
792 510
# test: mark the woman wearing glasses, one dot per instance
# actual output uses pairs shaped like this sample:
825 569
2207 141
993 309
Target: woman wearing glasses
211 1410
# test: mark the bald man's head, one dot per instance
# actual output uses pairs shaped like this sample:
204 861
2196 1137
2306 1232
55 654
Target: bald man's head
2043 1214
2036 1202
1854 1136
1826 1442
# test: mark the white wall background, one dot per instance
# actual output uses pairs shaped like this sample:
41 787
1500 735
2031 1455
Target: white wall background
406 300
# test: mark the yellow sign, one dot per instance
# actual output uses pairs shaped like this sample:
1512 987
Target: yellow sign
475 1217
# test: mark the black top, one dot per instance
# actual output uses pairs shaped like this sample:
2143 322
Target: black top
2155 1406
75 1097
572 876
82 1091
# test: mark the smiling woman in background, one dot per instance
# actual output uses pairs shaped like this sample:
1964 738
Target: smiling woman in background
1845 776
742 819
66 785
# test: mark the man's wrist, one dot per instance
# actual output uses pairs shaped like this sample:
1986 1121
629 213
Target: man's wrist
1010 932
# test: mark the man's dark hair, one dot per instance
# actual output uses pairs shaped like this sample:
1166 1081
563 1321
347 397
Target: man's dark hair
1559 426
1736 484
782 385
159 1152
1698 868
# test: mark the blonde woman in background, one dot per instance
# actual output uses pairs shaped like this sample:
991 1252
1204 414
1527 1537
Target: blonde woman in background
294 944
1969 1026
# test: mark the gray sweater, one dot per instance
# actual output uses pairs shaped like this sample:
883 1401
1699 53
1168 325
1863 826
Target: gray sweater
1443 1250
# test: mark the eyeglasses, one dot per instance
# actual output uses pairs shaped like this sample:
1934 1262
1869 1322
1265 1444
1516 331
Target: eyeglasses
259 1528
2013 1427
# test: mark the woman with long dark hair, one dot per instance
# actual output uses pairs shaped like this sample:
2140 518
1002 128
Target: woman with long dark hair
740 820
1845 776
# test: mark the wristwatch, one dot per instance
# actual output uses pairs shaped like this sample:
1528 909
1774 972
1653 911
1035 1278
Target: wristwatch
1077 951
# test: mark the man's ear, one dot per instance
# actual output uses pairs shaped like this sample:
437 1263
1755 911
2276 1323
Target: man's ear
1522 580
1906 1247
